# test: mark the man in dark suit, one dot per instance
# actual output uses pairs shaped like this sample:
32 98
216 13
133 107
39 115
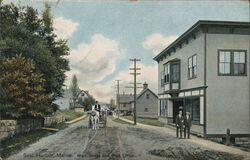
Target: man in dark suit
179 124
187 124
97 106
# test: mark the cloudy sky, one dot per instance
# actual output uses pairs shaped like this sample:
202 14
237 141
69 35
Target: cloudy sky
103 36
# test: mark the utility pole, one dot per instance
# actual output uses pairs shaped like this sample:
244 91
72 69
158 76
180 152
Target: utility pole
135 74
118 97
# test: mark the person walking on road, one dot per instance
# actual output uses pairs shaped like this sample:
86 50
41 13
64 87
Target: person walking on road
179 124
187 124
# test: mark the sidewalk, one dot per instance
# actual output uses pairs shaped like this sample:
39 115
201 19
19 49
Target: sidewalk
194 139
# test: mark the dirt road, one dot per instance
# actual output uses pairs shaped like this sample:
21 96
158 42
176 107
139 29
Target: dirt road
116 142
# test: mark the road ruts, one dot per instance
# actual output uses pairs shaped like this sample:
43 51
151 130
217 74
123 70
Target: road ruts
104 144
118 142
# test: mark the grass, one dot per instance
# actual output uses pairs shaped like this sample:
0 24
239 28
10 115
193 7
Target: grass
148 121
70 114
120 121
20 141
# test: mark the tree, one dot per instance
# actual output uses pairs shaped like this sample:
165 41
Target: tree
88 102
74 88
22 89
24 31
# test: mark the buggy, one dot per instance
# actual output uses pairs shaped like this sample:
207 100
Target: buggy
102 119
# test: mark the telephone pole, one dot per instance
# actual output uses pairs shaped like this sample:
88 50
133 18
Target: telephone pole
118 97
135 69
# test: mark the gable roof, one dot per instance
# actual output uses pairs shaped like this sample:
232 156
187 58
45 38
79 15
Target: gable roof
144 91
126 98
190 32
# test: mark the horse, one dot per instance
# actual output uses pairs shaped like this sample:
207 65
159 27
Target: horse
94 117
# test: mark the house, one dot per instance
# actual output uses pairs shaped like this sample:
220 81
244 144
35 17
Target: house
125 102
146 103
206 72
66 100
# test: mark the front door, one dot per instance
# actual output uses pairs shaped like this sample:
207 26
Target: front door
177 105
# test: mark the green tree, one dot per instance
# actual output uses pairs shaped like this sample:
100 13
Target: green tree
74 88
22 89
24 31
88 102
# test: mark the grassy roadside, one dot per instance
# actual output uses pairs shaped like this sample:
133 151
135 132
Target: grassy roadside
148 121
21 141
70 114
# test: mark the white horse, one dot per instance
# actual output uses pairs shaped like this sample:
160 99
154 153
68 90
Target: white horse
94 117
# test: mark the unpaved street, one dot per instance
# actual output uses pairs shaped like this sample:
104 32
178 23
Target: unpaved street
117 141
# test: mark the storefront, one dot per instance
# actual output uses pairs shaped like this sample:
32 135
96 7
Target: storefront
187 101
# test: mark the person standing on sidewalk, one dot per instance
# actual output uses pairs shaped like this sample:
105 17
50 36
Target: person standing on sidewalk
187 124
179 124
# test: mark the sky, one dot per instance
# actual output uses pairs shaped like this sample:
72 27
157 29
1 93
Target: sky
104 35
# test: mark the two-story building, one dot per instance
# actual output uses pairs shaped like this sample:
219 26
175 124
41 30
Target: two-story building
206 72
146 103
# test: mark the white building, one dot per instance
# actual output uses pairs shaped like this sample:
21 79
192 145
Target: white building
66 100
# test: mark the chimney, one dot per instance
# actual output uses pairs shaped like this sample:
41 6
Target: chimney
145 86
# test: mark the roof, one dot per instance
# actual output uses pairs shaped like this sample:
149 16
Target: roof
144 91
126 98
196 27
84 92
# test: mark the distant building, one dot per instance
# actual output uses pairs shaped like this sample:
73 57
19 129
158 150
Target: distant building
206 72
125 102
146 103
66 100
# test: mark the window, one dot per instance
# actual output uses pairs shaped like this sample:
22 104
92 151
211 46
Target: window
192 67
192 105
124 105
171 74
146 110
162 78
163 108
147 96
166 73
176 72
225 60
196 110
232 62
239 63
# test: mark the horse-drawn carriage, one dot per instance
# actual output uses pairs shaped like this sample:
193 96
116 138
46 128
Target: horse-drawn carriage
98 118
